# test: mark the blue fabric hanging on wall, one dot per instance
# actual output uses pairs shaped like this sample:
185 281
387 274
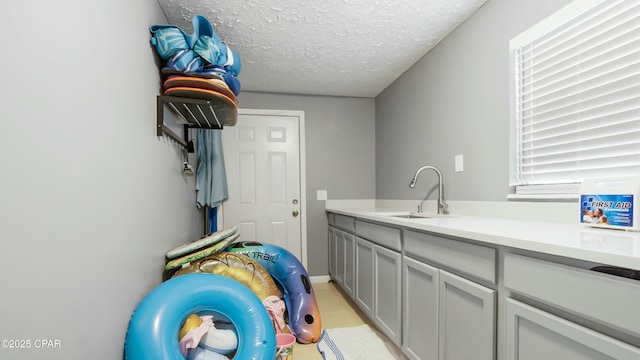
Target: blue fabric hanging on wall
211 175
212 219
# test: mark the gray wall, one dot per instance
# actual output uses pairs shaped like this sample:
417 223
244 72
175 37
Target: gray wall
90 199
340 149
455 100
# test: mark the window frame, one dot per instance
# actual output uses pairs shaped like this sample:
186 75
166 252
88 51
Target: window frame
520 191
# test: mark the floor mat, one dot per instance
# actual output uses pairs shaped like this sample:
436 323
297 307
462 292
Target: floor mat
352 343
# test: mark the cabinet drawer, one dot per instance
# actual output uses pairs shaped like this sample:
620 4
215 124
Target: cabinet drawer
381 235
477 261
602 298
345 222
331 219
535 334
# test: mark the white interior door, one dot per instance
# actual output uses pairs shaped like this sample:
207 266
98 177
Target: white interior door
265 178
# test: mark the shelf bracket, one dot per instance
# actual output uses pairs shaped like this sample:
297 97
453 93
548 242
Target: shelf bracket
192 113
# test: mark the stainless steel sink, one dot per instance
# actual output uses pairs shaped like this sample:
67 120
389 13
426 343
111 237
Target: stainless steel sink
411 216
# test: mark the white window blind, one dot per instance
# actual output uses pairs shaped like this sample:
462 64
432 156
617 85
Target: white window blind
576 96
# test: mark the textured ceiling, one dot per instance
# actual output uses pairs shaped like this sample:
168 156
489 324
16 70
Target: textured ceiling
328 47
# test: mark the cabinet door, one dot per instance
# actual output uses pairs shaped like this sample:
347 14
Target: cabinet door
467 322
364 276
339 254
349 262
387 290
420 310
332 253
534 334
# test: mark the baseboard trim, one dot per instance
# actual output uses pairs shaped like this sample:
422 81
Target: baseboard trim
320 279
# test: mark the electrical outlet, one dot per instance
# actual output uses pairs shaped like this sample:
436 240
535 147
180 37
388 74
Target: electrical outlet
459 166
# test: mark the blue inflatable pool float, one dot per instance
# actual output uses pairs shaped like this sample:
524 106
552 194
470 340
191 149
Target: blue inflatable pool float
304 314
154 325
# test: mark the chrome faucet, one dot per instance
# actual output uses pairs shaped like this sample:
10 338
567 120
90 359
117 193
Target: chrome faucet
443 207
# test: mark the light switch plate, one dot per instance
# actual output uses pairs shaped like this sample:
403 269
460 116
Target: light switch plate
321 194
459 165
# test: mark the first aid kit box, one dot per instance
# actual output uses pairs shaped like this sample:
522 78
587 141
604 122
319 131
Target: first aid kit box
610 203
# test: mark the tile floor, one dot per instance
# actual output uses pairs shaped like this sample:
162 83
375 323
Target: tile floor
336 310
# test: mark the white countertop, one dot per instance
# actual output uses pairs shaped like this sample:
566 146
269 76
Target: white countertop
603 246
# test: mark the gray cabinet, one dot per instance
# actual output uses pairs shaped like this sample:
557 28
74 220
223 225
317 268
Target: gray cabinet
534 334
557 311
466 319
447 298
349 263
581 292
387 287
420 315
344 244
446 317
332 253
342 251
378 285
364 276
338 242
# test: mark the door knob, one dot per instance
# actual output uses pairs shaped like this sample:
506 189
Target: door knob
295 213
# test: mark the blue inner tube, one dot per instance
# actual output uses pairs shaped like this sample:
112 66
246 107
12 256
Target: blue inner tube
154 325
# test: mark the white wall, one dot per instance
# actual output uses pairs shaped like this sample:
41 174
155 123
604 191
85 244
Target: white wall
90 198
